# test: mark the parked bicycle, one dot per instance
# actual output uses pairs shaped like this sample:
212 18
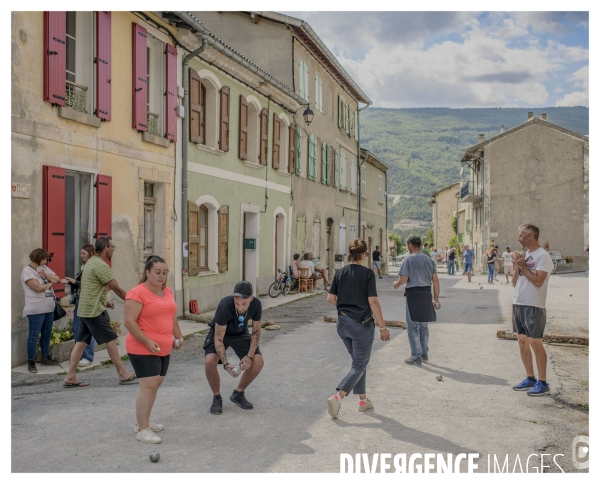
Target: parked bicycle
283 284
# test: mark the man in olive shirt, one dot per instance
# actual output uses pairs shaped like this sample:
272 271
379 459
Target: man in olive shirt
95 321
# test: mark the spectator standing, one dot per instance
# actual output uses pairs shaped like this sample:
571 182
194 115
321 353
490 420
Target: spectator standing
507 262
377 261
450 256
468 257
434 255
532 271
497 263
491 263
419 273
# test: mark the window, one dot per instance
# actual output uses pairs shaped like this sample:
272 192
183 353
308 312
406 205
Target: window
318 93
155 85
356 125
80 54
353 178
203 245
363 181
249 130
342 238
78 218
340 112
352 232
380 189
347 123
312 158
316 245
280 142
343 171
336 169
303 80
202 115
149 202
298 150
325 164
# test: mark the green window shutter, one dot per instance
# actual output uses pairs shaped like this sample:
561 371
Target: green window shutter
336 169
324 167
348 119
312 157
343 171
298 150
340 112
328 163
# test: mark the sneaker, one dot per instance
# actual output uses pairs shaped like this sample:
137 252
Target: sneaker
539 389
364 406
47 361
31 366
155 427
380 277
240 400
424 357
525 385
148 436
333 406
217 405
84 362
411 361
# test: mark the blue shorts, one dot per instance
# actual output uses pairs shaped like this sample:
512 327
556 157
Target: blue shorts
377 264
468 268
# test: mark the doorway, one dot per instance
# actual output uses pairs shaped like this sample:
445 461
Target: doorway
329 251
250 256
280 262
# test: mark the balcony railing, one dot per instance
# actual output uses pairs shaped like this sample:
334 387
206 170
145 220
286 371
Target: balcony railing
468 193
153 124
76 97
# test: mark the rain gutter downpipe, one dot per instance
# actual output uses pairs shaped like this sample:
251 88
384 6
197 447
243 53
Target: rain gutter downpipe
184 173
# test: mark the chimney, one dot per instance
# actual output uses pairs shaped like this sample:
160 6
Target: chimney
502 128
481 137
544 116
530 115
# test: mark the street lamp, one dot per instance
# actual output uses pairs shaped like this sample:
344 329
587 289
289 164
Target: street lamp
308 115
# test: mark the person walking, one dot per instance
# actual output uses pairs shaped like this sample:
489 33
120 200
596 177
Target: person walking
419 273
95 320
451 255
491 263
468 260
85 253
377 261
434 255
507 262
354 294
229 328
532 270
37 279
150 311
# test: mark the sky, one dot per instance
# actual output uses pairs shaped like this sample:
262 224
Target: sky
461 59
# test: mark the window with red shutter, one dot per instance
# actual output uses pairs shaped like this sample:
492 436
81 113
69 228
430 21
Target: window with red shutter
243 151
103 65
55 57
171 94
53 221
276 140
224 114
140 73
264 135
103 206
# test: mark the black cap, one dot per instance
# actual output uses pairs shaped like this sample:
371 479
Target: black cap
508 246
414 240
243 289
496 246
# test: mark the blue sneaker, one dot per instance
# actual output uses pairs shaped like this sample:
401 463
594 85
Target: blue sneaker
539 389
525 385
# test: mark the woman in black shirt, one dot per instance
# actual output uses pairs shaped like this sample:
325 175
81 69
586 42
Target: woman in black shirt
354 293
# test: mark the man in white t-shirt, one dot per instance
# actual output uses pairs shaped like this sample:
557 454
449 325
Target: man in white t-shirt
530 279
507 262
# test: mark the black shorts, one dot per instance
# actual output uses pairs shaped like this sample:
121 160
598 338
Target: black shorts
529 320
149 365
98 327
240 343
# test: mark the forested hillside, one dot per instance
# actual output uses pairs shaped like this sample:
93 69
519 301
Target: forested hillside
423 146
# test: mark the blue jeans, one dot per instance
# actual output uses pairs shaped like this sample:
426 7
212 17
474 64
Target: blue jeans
39 324
491 270
358 339
450 267
418 336
88 352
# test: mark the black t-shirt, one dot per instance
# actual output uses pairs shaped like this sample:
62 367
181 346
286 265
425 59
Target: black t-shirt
226 315
376 255
353 285
451 255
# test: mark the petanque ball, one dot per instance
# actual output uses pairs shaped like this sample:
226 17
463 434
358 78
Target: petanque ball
154 456
438 377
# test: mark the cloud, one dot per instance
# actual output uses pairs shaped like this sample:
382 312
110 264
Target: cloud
554 22
580 80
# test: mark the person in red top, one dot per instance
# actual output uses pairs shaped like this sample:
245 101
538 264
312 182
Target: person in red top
153 330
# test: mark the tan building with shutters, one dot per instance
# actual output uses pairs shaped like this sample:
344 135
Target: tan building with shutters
85 161
239 185
325 161
445 205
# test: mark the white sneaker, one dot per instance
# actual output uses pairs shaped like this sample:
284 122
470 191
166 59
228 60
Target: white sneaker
84 362
333 406
364 406
148 436
155 427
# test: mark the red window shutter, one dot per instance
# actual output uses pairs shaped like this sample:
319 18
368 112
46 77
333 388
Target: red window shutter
103 206
140 78
171 94
264 135
55 57
243 151
224 131
103 65
53 224
292 145
195 107
276 140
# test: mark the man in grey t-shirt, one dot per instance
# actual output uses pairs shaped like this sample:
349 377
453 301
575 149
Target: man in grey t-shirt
419 272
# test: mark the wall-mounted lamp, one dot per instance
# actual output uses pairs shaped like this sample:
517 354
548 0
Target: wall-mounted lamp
308 115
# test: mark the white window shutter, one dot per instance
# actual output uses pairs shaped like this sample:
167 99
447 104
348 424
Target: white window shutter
356 125
307 96
301 79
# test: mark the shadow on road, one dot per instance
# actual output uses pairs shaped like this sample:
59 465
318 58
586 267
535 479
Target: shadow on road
464 376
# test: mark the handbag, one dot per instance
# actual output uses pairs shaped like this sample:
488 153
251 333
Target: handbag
59 312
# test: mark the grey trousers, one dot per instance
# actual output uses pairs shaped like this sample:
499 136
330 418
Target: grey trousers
358 339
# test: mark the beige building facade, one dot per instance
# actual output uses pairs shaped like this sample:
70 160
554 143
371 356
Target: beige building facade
446 205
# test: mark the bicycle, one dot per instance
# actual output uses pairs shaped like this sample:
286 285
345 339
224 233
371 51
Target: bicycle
283 284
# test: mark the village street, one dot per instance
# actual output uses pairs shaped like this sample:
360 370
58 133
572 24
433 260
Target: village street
472 410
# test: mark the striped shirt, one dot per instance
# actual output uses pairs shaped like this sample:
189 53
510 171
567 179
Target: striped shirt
92 293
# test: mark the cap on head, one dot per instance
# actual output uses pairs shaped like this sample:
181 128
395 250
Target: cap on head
495 246
508 246
243 289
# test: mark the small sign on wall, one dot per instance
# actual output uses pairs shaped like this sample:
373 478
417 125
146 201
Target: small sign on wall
20 190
